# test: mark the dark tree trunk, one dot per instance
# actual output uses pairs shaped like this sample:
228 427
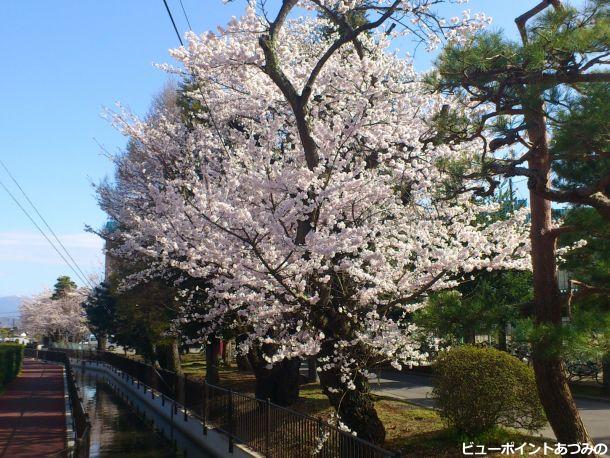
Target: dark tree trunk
550 372
502 340
355 407
606 373
211 361
224 353
278 383
470 337
243 363
169 356
312 366
102 342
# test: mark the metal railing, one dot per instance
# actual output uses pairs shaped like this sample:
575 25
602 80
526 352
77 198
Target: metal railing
261 425
277 431
80 419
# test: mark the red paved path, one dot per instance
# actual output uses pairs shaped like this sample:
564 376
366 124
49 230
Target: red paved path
32 413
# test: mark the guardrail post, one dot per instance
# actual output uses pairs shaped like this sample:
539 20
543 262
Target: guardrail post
204 414
267 427
231 432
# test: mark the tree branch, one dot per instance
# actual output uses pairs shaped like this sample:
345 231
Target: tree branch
522 20
416 294
350 36
566 78
557 231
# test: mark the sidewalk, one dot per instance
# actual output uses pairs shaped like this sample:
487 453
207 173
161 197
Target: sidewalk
416 388
32 413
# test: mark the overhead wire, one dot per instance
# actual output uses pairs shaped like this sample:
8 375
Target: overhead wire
45 223
185 15
203 98
78 275
173 22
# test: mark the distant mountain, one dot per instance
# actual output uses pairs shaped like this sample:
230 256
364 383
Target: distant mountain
9 309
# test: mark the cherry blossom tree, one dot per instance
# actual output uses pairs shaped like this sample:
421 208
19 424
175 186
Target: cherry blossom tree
60 319
317 217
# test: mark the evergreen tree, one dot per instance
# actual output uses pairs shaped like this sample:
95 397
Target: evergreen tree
63 286
521 93
584 131
484 305
100 307
145 313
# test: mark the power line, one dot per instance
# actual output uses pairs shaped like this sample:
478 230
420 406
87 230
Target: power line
41 231
173 22
185 15
84 280
203 98
44 221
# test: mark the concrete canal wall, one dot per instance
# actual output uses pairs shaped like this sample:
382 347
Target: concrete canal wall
213 442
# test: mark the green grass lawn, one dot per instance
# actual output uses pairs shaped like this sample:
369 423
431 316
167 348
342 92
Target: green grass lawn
193 364
413 430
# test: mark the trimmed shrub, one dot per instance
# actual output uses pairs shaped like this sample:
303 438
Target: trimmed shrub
477 389
11 357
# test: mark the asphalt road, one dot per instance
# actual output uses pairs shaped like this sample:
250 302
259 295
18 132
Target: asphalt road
416 388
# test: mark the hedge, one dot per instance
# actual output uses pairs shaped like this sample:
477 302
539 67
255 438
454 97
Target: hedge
478 389
11 357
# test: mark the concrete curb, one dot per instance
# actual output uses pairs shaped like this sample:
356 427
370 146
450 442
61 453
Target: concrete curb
591 398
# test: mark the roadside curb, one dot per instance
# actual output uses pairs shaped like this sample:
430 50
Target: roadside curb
591 398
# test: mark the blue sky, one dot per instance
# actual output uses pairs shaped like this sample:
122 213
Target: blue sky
63 61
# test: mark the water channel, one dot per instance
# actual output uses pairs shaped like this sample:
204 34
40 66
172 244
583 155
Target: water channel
120 428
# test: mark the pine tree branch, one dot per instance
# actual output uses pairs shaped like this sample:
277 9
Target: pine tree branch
585 195
521 21
557 231
566 78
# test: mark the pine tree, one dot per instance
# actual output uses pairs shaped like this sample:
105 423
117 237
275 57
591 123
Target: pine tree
100 307
584 131
63 286
520 94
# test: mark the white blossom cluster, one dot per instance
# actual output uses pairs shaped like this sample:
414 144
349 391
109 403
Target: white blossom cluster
565 250
223 198
62 318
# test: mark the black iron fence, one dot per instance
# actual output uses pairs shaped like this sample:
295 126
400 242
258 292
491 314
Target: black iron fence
277 431
261 425
81 425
